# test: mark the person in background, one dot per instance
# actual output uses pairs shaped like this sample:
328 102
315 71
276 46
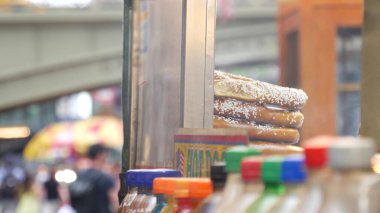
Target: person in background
11 176
93 190
52 199
29 198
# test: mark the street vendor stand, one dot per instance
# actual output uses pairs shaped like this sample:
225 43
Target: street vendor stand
167 77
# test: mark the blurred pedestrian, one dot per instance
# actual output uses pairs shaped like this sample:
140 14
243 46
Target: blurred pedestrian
29 201
52 199
11 176
93 190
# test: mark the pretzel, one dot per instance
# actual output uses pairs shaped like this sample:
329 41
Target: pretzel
267 148
260 132
245 89
228 107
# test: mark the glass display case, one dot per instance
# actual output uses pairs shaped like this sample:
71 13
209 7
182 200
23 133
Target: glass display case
168 83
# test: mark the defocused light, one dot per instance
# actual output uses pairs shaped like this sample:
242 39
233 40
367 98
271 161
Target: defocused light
375 161
14 132
65 176
62 3
84 105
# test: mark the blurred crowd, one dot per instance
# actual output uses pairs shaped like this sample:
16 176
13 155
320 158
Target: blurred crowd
60 187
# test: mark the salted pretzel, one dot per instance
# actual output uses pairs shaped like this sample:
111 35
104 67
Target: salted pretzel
262 93
232 108
260 132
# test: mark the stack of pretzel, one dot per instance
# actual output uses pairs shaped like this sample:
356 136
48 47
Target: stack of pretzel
270 113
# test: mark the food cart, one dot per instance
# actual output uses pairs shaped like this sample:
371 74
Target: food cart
167 76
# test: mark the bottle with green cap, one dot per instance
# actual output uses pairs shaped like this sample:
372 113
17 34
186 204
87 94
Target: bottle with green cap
274 189
352 187
234 184
293 175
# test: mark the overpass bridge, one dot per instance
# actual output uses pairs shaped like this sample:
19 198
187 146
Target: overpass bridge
54 53
57 52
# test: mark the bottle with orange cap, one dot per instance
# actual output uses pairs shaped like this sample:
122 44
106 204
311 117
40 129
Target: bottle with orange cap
170 184
182 195
199 189
159 188
189 192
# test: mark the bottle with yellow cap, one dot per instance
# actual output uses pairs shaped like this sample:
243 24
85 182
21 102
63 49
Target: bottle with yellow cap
234 184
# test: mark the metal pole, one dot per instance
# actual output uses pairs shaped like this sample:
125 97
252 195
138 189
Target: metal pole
127 26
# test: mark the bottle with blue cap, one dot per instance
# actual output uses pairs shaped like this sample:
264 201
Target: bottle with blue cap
293 175
130 178
146 200
274 189
353 186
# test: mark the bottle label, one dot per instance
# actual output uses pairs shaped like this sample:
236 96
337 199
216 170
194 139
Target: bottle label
196 150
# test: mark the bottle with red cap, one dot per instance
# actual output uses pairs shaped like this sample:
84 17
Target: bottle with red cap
293 175
253 187
316 160
352 187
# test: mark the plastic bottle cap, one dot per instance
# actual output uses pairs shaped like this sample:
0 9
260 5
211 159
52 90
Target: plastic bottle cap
316 151
155 173
293 169
271 169
164 185
200 188
251 168
132 176
140 178
169 186
218 174
234 156
182 188
352 153
159 185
